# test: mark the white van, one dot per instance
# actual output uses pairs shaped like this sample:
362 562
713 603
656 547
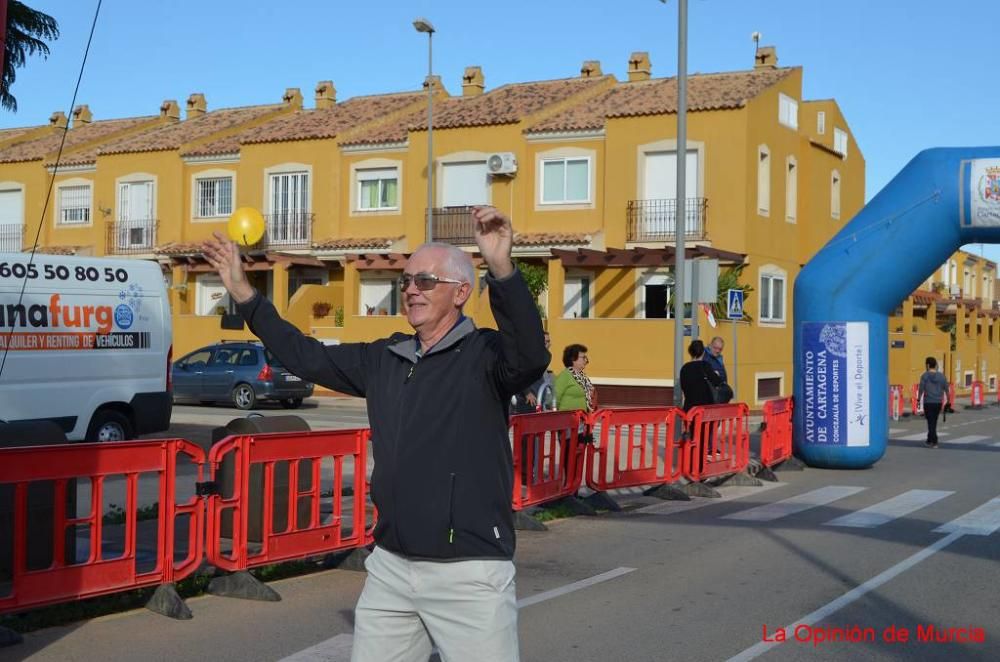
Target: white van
88 345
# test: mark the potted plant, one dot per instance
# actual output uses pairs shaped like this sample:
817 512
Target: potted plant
322 308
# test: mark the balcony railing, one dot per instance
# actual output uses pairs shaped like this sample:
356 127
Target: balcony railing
11 237
131 237
288 229
453 225
656 220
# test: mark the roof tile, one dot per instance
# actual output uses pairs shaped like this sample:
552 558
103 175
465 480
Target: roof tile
658 96
505 105
551 238
33 150
350 244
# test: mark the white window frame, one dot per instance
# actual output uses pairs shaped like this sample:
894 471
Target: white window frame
360 178
376 163
565 160
758 376
380 278
835 186
791 189
788 111
763 180
214 174
654 277
288 169
578 276
840 141
821 122
770 273
124 236
75 183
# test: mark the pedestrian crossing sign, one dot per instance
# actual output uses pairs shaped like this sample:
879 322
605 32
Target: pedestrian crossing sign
734 310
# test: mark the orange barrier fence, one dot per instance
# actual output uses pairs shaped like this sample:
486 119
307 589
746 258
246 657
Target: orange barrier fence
58 554
978 397
776 439
639 446
299 518
721 443
548 456
896 403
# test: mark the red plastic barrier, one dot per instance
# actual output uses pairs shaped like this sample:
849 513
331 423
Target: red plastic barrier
916 403
720 440
977 397
896 404
305 533
548 456
776 440
25 470
639 446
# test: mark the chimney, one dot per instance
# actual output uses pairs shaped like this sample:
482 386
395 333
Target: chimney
591 69
473 82
58 120
292 98
326 94
639 66
196 106
170 111
81 115
435 81
766 58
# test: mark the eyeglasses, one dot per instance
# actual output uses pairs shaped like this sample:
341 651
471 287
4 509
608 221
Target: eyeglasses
716 348
424 281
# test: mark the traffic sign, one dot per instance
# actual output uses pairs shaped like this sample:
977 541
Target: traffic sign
734 309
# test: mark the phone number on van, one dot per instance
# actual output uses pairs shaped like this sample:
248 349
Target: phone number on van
62 272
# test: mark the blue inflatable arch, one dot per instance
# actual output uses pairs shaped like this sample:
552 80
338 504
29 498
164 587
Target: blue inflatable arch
944 198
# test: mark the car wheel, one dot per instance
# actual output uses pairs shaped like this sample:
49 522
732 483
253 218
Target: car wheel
244 397
110 425
291 403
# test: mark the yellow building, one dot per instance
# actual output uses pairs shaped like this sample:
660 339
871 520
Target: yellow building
584 165
954 318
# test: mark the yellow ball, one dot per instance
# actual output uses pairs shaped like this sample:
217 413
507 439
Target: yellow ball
246 226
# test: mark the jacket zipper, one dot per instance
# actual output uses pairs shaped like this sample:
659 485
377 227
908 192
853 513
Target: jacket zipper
451 509
395 455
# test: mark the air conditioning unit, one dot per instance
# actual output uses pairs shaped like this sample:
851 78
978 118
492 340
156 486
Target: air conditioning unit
502 163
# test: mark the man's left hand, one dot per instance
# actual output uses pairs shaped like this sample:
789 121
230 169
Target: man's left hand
495 237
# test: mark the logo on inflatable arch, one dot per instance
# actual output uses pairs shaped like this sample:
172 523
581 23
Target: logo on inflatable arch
984 182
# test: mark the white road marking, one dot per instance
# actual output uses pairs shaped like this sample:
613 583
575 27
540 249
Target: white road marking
728 494
795 504
982 521
338 648
968 439
849 597
920 436
890 509
896 430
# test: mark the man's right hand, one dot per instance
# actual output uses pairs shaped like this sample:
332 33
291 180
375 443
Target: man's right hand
224 256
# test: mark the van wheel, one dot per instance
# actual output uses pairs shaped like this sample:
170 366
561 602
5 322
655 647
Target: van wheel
244 397
291 403
110 425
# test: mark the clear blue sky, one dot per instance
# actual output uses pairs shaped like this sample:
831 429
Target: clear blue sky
908 74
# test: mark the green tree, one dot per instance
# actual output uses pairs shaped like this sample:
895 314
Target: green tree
730 280
27 30
537 278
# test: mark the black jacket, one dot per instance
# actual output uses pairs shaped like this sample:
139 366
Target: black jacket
697 379
443 476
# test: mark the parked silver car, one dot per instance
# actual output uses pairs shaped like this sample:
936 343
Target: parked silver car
242 373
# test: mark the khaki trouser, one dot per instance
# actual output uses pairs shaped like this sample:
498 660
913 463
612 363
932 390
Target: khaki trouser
466 608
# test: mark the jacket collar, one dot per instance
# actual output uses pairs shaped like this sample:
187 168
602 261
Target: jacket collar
408 348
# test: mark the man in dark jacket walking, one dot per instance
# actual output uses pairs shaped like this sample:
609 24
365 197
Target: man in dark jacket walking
438 404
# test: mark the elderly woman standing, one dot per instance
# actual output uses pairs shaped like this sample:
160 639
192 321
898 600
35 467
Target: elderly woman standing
573 388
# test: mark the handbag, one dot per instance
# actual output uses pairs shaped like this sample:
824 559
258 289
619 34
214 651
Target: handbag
721 393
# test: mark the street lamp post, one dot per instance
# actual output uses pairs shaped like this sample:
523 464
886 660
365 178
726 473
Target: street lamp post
423 25
680 206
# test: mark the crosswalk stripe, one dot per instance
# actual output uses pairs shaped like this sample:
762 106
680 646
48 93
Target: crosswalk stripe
919 436
982 521
795 504
890 509
968 439
995 444
896 430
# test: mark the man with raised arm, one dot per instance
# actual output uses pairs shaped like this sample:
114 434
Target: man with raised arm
438 402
